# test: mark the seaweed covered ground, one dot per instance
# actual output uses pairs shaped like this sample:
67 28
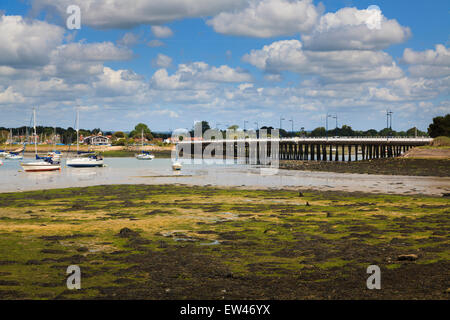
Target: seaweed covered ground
385 166
184 242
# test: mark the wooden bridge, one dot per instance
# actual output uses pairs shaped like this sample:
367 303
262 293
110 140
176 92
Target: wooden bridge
320 149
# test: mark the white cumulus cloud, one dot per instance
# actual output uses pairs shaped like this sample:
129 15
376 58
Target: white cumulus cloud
268 18
27 42
350 28
162 31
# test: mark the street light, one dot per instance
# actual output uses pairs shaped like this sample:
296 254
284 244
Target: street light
245 121
292 125
389 117
328 116
281 119
257 125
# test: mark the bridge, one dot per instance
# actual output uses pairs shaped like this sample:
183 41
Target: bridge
298 148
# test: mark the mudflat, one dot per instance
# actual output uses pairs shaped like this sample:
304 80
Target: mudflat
438 167
179 242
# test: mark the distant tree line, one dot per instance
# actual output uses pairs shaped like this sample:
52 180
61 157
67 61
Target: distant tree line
344 131
69 135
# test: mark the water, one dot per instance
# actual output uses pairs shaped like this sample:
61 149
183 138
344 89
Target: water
159 171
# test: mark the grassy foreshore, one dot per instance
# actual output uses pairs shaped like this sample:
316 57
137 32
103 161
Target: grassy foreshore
184 242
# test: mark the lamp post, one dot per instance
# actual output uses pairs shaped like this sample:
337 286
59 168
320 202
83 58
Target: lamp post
389 120
281 119
245 121
335 117
326 129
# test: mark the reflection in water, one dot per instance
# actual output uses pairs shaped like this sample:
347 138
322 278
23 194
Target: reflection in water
159 171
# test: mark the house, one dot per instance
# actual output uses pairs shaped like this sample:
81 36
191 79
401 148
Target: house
98 140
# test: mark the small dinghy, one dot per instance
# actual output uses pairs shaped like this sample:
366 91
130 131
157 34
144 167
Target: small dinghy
176 166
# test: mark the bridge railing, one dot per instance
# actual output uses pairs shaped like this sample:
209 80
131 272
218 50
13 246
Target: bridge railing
319 139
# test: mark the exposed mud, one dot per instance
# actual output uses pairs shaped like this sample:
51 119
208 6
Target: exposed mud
391 166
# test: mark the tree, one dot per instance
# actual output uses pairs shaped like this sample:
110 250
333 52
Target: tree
440 127
233 127
138 131
119 135
318 132
371 133
346 131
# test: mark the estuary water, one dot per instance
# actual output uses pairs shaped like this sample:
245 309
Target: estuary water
159 171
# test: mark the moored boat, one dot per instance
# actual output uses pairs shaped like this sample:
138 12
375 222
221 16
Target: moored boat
41 163
89 160
176 166
144 155
14 156
84 159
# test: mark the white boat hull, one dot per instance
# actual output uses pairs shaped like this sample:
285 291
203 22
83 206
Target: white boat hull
145 157
176 166
13 157
40 166
84 163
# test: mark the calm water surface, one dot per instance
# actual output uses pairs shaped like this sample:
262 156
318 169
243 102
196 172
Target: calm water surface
159 171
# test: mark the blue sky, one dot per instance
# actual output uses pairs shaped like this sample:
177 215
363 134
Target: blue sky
298 59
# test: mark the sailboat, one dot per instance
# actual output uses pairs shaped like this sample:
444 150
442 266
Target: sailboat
13 155
55 154
42 163
144 155
84 159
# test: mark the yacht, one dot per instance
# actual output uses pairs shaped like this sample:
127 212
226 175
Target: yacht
144 155
84 159
41 163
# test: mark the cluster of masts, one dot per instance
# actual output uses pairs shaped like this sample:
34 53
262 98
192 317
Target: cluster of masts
52 161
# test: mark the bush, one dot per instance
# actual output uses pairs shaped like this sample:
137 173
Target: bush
441 142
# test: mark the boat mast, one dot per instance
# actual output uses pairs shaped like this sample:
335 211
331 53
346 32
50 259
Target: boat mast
78 129
35 132
142 140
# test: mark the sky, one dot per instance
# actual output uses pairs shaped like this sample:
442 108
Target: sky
245 62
